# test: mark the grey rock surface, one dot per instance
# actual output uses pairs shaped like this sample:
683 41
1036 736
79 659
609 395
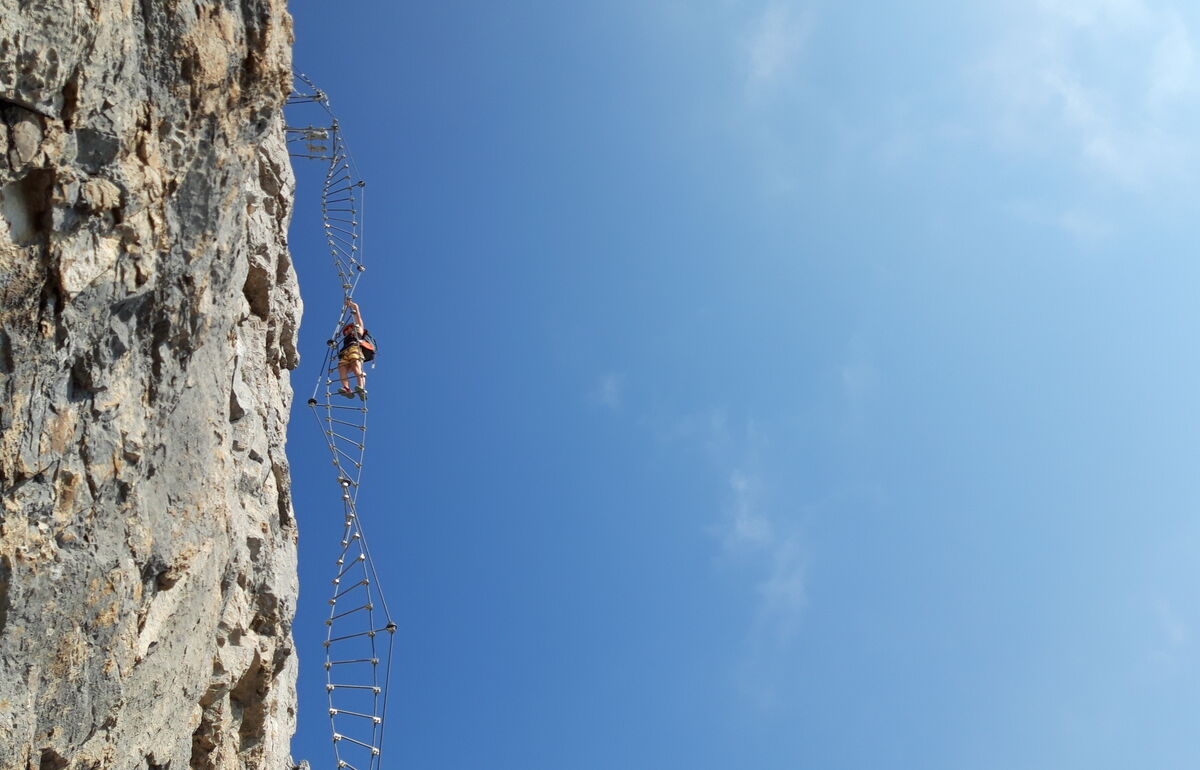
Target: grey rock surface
148 315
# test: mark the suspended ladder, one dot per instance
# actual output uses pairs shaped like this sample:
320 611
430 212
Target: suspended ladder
359 630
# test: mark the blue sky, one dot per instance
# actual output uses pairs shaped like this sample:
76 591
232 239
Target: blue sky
769 384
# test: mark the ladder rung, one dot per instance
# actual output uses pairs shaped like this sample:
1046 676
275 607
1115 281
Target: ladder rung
373 688
370 633
367 606
340 594
360 557
337 737
338 712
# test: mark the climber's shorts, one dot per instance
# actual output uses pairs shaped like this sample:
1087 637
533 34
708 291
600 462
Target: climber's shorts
351 355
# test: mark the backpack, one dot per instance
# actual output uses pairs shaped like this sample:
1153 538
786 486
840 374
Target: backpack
367 345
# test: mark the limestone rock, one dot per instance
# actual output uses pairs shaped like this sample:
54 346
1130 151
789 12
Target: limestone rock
148 314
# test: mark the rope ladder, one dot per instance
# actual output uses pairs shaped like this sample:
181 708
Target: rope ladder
359 630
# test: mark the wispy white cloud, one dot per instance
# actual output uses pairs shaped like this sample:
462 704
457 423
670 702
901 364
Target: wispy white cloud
1113 83
769 545
759 540
784 591
609 391
709 430
753 54
1084 225
747 525
774 43
782 596
772 52
1171 648
1095 13
1173 627
1173 70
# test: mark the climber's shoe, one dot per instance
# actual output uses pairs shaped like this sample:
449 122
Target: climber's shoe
346 392
361 392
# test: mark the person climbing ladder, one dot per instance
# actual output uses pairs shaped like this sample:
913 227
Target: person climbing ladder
350 355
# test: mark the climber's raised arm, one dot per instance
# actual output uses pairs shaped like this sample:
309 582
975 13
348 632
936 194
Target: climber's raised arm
357 315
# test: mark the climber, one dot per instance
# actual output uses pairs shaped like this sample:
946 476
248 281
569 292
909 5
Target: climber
350 355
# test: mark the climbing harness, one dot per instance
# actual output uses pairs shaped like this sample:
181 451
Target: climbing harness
359 630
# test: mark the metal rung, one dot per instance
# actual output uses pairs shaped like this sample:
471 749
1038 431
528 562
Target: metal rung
347 248
347 439
370 633
374 751
365 716
373 688
367 606
340 594
349 457
361 557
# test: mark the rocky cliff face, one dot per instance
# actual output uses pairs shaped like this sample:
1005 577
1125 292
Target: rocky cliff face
148 313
